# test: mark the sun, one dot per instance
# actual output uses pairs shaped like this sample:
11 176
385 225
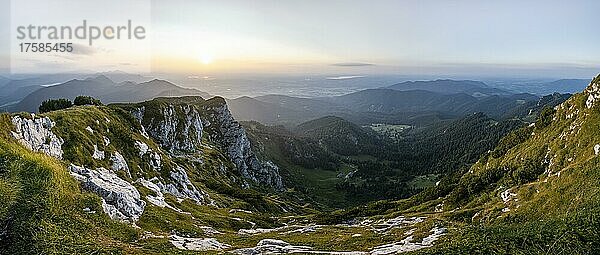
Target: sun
205 58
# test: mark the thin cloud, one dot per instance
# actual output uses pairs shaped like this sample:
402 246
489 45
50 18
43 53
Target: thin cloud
353 64
345 77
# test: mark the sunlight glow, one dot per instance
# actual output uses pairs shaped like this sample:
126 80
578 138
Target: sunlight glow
206 58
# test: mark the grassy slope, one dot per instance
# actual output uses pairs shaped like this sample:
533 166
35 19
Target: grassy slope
551 214
554 213
42 207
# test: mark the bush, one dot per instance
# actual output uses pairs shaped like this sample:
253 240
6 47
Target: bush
86 100
54 104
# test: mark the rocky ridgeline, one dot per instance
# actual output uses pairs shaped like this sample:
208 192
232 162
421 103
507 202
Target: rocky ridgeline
232 137
179 127
176 127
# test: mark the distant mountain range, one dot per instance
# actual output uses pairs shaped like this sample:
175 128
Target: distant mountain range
564 86
106 90
541 88
473 88
15 89
411 102
393 101
3 81
412 107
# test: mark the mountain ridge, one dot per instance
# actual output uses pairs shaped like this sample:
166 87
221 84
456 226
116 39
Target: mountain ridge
447 86
104 89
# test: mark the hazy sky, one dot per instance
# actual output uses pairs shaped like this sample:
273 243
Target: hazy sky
503 38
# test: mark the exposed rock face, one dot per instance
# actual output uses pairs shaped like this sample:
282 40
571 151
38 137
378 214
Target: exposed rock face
381 226
176 128
158 198
232 137
407 244
181 187
142 147
155 159
36 135
593 92
120 199
273 246
119 163
98 154
197 244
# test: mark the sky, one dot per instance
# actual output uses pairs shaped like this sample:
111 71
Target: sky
485 38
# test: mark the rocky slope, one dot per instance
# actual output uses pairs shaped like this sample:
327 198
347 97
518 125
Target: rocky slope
178 126
177 129
154 178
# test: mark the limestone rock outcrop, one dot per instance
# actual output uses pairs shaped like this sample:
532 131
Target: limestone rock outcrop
36 135
120 199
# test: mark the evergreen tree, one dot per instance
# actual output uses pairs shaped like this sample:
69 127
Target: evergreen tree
54 104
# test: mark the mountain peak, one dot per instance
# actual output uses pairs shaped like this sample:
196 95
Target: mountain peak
157 80
100 78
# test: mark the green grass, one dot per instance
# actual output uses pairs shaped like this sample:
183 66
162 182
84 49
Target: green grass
391 131
553 214
424 181
42 208
578 234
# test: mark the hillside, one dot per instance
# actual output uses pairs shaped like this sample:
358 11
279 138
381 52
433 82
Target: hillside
251 109
537 192
340 136
543 175
108 167
337 163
